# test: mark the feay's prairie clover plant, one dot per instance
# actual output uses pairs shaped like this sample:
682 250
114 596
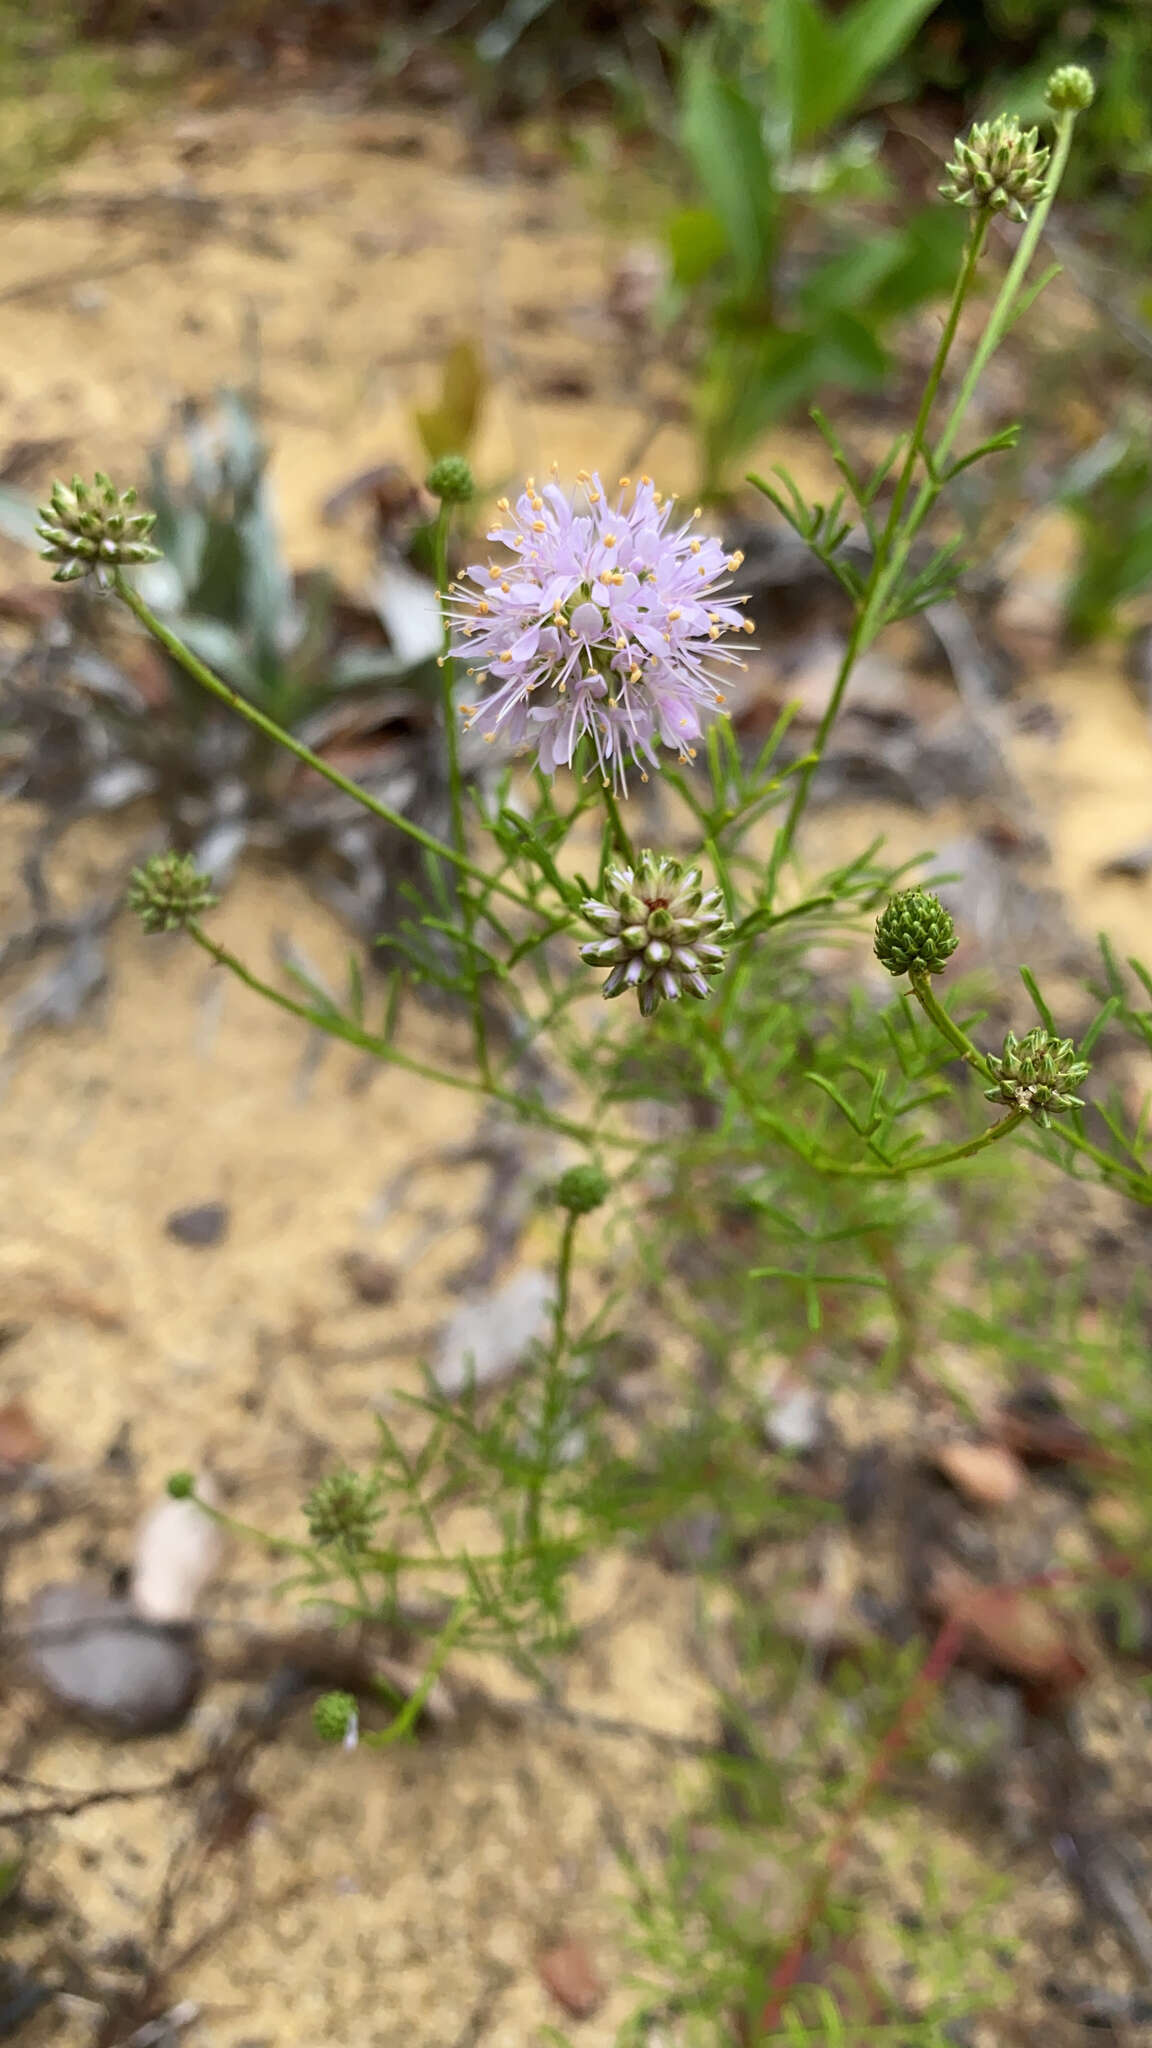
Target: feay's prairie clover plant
598 637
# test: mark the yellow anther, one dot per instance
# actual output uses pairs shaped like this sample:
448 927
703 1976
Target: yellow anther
593 497
506 656
609 540
538 526
676 612
502 505
634 675
489 739
646 480
625 483
734 561
694 546
749 625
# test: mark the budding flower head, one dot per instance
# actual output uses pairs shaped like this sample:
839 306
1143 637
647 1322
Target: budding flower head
914 931
91 529
169 892
336 1719
999 169
1037 1073
660 933
1070 89
181 1485
582 1189
451 480
343 1509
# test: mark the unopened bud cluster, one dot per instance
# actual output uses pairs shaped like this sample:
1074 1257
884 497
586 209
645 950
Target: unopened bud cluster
1070 89
914 933
343 1509
582 1189
1000 168
662 934
91 529
1037 1073
450 479
169 892
336 1719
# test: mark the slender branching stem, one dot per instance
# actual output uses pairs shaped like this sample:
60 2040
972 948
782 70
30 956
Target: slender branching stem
251 713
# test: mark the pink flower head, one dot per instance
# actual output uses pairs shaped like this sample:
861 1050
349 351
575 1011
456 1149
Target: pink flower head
606 622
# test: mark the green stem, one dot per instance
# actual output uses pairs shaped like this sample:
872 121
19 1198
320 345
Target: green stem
947 1026
895 542
972 254
410 1712
340 1027
865 628
619 833
552 1399
455 779
997 325
194 667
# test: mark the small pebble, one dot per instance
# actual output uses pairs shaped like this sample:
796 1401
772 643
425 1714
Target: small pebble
203 1225
95 1656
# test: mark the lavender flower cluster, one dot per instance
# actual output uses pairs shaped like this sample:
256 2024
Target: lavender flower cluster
606 623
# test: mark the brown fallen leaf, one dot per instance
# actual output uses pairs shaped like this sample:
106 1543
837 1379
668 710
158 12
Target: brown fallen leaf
985 1473
21 1443
1020 1633
569 1973
1052 1439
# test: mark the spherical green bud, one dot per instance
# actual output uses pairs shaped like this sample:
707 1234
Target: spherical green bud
451 480
1000 168
169 892
1037 1073
582 1189
343 1509
91 529
335 1717
181 1485
1070 89
914 931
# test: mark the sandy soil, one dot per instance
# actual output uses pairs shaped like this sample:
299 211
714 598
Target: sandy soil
376 1901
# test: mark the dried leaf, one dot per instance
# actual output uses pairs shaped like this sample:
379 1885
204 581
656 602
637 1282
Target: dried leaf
1020 1633
21 1443
987 1474
570 1975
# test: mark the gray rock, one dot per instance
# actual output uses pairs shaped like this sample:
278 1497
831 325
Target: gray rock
487 1339
202 1226
96 1656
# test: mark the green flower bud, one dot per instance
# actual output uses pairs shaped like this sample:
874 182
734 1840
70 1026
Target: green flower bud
343 1509
91 529
451 480
661 933
1037 1073
999 169
181 1485
1070 89
914 931
582 1189
335 1718
169 892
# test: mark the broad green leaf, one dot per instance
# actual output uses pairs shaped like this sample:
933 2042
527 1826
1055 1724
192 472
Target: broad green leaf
723 135
826 65
697 242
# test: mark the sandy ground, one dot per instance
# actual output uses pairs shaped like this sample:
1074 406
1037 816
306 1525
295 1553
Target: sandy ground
376 1901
